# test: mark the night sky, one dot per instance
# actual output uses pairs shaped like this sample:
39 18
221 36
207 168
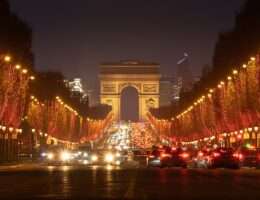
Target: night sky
74 36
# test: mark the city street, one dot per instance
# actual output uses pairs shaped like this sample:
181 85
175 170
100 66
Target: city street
64 182
130 100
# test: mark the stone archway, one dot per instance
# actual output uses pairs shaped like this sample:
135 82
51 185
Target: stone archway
144 77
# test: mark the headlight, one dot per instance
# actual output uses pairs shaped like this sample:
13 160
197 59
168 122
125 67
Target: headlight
50 156
118 162
118 154
94 158
109 157
65 156
43 154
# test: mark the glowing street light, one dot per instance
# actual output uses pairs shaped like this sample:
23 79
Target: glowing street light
17 66
24 71
7 58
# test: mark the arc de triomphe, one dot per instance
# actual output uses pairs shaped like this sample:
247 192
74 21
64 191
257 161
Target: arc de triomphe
144 77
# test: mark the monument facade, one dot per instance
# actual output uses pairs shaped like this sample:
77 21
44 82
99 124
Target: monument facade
144 77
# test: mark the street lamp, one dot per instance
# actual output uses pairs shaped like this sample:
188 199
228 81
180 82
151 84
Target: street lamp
17 66
7 58
24 71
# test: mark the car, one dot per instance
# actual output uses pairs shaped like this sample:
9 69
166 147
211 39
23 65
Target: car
201 159
176 157
224 158
57 156
153 158
80 157
248 157
106 157
140 156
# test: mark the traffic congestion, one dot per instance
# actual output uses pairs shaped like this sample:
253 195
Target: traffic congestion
118 150
208 158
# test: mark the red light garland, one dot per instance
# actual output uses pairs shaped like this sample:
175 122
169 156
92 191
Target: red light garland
231 106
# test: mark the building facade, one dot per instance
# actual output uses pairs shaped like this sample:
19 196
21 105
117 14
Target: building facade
166 90
184 75
76 89
144 77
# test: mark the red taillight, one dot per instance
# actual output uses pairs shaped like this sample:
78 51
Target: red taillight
164 155
184 155
200 154
235 155
173 148
151 156
238 155
215 154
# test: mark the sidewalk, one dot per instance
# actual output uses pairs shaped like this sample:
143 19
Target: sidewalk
10 166
13 165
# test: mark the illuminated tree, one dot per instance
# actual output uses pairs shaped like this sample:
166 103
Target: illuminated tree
13 87
233 105
240 43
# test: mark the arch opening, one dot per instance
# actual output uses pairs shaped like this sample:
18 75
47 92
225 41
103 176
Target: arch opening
129 104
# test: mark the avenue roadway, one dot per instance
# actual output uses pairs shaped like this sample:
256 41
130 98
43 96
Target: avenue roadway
76 182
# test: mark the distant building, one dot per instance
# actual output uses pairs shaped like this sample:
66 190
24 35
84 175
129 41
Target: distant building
184 76
176 89
196 79
166 90
76 87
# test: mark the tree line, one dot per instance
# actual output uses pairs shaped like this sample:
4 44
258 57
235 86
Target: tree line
16 40
233 48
